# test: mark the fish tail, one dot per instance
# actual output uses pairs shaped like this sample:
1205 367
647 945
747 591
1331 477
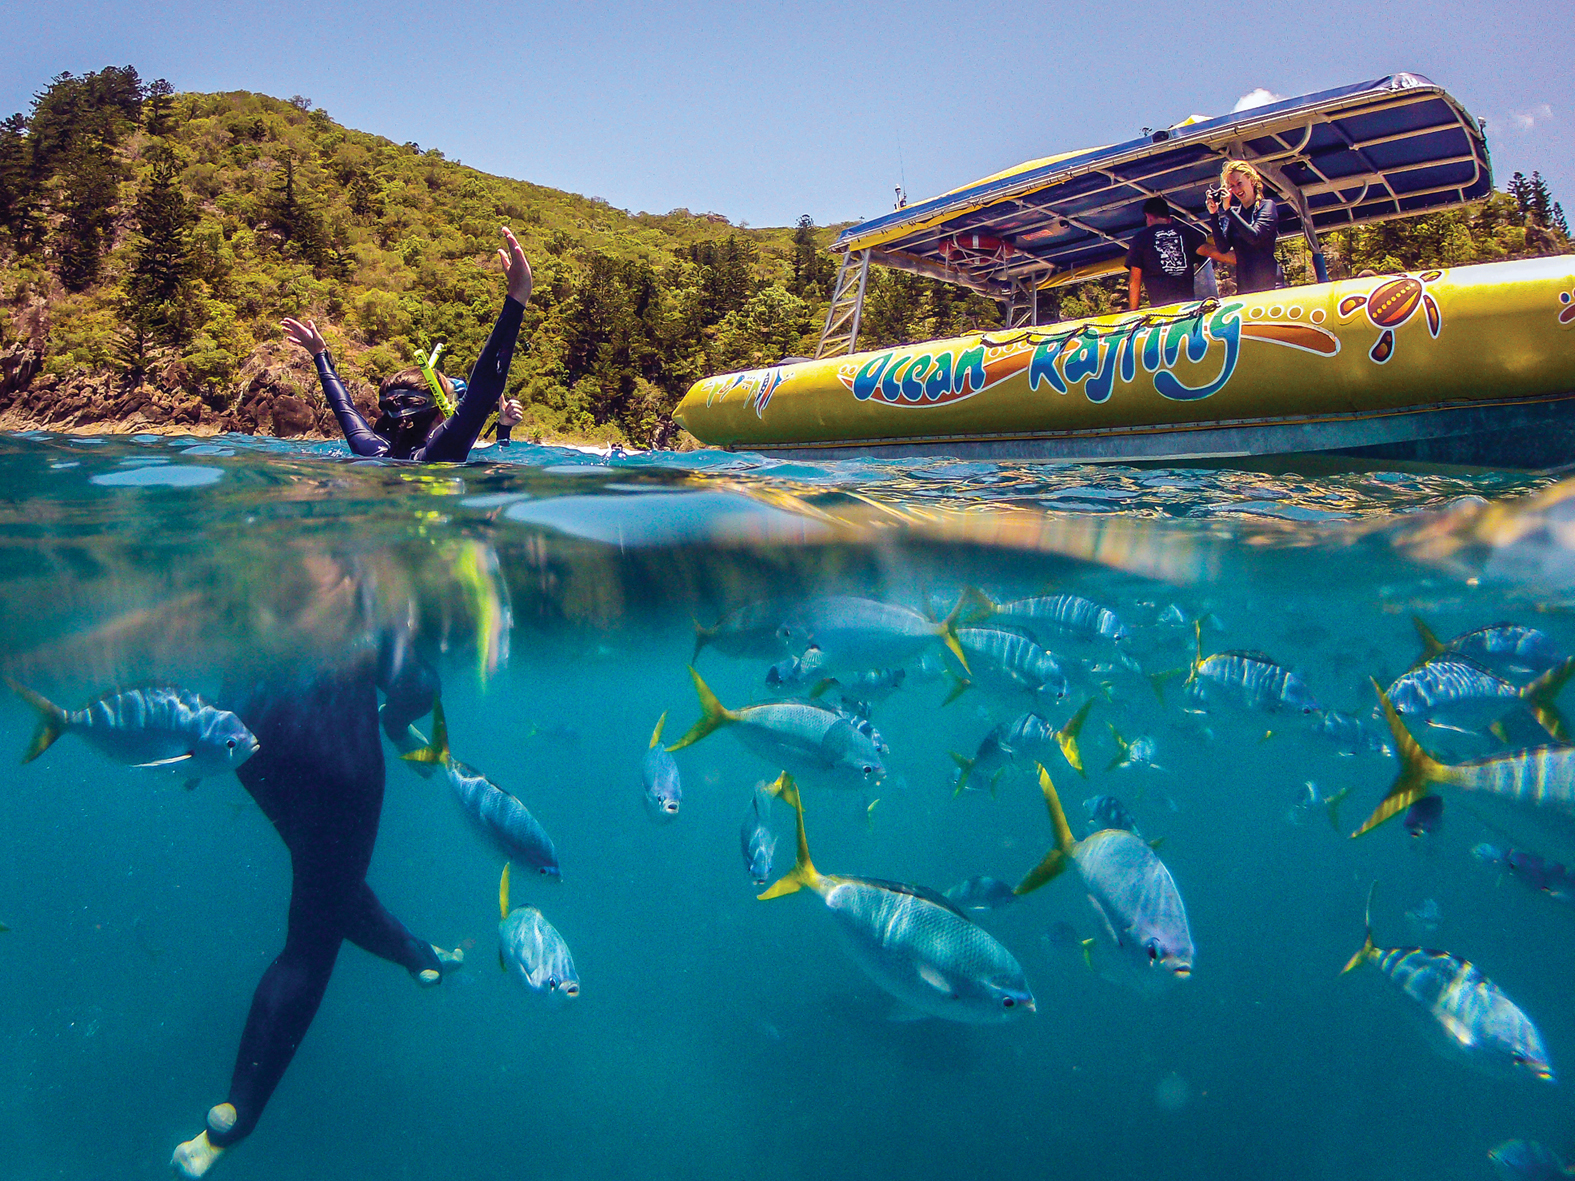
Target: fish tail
1088 951
435 751
1417 770
656 734
947 629
964 769
1540 693
1197 660
1122 747
982 602
1056 860
803 872
1159 680
1431 645
960 685
1368 950
1067 737
703 636
713 714
1332 806
503 891
822 687
51 720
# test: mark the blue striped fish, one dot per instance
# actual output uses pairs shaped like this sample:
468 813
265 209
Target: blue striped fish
1477 1021
1070 616
1248 679
157 728
496 814
1528 795
664 792
1509 649
1456 690
531 950
1025 741
1006 662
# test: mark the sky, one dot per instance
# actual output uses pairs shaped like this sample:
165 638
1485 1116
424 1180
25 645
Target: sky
766 111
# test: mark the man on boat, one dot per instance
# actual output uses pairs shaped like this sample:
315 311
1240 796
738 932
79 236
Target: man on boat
1163 257
1244 236
416 422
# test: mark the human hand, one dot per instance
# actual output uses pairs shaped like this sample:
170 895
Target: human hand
511 413
515 267
305 335
1214 206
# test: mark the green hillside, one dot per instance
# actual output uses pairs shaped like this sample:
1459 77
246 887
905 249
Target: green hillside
150 242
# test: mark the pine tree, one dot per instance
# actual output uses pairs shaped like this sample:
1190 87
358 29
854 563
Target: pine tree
160 108
805 255
295 220
19 190
157 284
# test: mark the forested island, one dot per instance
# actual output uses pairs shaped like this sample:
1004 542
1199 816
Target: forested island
151 241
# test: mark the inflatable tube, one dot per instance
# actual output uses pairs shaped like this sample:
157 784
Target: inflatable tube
1333 366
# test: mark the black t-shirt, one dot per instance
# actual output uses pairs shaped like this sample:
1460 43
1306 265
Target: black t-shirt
1167 254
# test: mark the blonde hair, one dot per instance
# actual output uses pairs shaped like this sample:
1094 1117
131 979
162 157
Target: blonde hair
1242 168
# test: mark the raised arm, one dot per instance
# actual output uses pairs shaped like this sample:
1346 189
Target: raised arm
358 433
1263 230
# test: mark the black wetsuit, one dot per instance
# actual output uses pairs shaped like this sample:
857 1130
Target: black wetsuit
1251 233
318 776
451 440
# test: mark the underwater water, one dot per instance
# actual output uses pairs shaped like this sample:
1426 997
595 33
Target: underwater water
716 1035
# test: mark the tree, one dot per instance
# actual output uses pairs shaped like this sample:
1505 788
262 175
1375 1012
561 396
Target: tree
157 283
160 108
19 191
295 219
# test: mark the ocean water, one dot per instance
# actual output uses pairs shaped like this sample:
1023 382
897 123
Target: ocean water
717 1036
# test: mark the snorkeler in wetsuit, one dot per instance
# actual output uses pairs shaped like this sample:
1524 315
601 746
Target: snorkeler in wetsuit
412 426
318 776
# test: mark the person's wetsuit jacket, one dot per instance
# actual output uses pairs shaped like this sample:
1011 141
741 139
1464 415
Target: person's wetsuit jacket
451 440
1251 233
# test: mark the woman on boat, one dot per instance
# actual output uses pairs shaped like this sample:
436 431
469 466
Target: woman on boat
412 424
1245 236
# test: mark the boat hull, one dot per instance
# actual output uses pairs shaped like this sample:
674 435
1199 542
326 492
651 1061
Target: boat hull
1470 365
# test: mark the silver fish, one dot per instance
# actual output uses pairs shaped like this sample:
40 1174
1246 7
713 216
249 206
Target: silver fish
1139 752
1065 615
1512 650
158 728
1475 1019
1140 910
1248 680
532 952
1024 742
1548 878
1005 662
499 816
1455 690
911 941
807 739
796 671
1526 1160
750 631
856 633
1109 812
755 838
659 775
982 893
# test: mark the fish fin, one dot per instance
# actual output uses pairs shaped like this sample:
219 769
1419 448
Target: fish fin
1156 843
1368 950
822 687
982 602
996 778
869 814
1056 860
1417 770
702 638
1088 951
1122 747
1431 645
803 872
1067 737
503 900
656 734
1267 734
931 976
1197 662
964 769
1498 731
1332 805
713 714
191 784
1540 693
948 632
960 685
51 720
437 750
169 762
1159 680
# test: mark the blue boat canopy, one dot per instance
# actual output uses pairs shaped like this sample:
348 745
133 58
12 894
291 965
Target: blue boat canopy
1377 150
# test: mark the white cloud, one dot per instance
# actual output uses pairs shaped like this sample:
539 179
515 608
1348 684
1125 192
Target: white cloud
1261 97
1524 121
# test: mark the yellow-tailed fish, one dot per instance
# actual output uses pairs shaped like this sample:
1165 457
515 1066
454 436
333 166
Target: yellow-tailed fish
1477 1021
1139 908
1457 690
532 952
1026 741
1064 615
752 631
755 838
1509 649
664 793
813 741
1003 661
857 634
1528 795
157 728
911 941
1250 680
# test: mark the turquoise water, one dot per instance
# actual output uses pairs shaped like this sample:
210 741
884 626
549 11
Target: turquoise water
716 1035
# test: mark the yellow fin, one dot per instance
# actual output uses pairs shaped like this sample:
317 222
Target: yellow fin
1122 747
656 734
982 602
960 685
1332 804
703 636
1067 737
1431 645
948 633
1056 860
713 714
1417 770
1158 680
51 720
437 750
964 769
1368 951
1088 952
803 872
1539 695
503 895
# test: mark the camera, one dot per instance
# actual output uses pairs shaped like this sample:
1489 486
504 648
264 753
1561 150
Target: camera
1217 195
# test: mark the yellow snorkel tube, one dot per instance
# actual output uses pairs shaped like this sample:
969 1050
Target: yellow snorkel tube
428 364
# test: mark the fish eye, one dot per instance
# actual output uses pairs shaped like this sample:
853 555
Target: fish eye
1153 953
230 743
1007 1002
867 769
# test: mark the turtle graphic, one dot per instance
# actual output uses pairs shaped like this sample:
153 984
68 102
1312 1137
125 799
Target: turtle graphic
1391 304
